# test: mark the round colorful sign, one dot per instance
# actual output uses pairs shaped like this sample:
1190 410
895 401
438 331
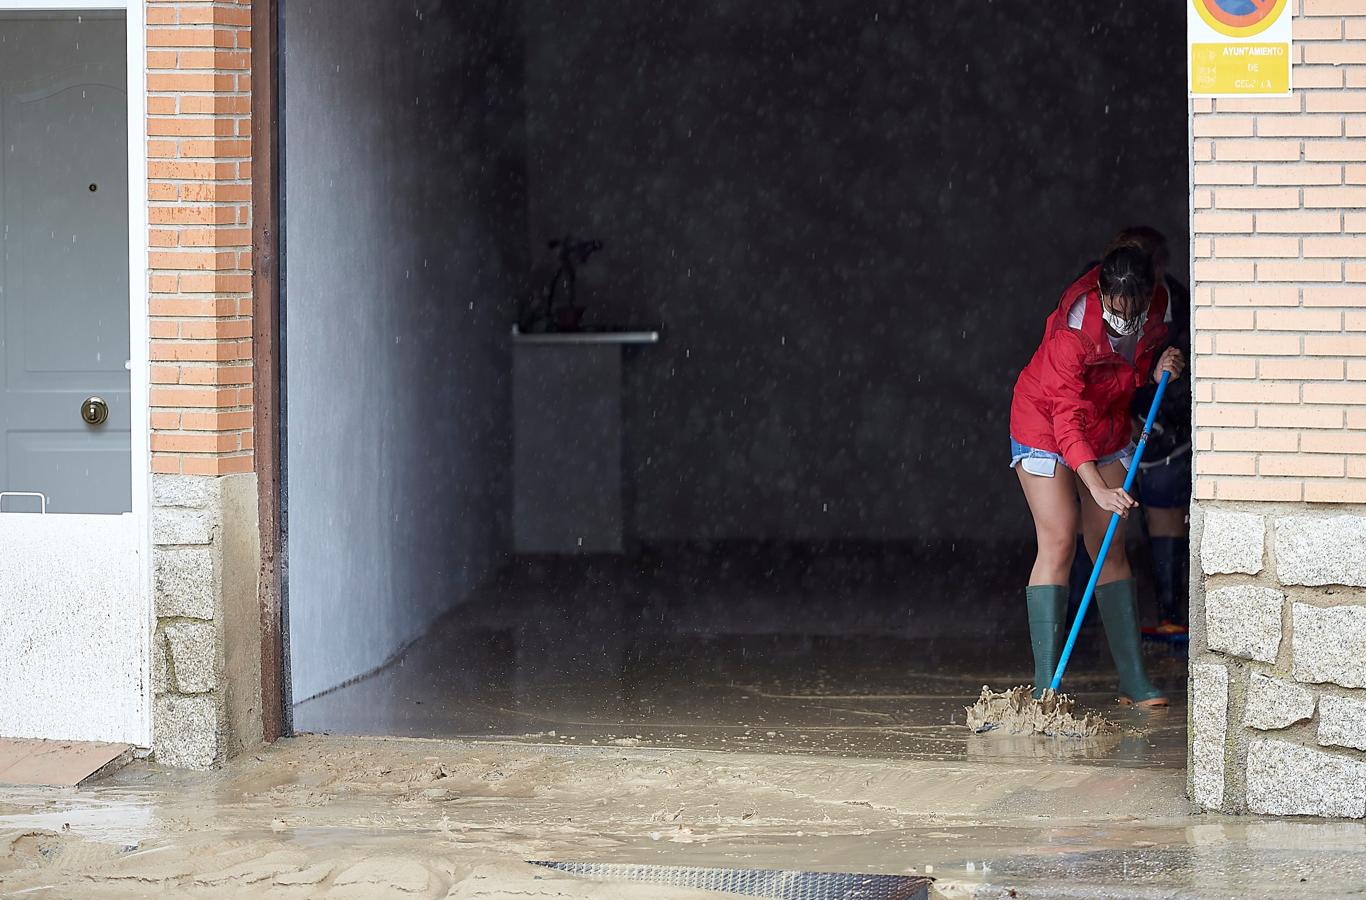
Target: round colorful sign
1240 18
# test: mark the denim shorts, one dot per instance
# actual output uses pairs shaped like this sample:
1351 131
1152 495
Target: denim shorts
1045 462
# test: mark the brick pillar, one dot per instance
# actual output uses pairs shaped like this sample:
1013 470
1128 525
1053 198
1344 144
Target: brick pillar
1278 644
199 191
199 303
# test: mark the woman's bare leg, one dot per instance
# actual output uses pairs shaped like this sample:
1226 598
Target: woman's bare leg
1053 504
1094 522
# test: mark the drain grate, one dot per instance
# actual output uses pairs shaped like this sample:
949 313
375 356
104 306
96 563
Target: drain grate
773 883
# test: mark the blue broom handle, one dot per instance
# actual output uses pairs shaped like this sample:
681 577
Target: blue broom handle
1109 536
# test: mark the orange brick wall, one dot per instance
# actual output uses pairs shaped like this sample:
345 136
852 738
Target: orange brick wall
199 216
1279 247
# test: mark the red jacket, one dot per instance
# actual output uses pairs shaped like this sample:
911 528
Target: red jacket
1073 397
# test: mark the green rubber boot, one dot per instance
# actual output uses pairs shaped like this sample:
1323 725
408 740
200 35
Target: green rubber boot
1118 602
1047 623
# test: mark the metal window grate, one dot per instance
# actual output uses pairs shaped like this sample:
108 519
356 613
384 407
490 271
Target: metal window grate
772 883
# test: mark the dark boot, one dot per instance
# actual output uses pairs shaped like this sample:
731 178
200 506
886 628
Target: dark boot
1171 562
1118 602
1047 623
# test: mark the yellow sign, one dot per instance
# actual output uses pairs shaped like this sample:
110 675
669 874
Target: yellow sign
1223 67
1240 69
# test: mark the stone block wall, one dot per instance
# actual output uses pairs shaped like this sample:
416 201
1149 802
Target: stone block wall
206 646
1278 671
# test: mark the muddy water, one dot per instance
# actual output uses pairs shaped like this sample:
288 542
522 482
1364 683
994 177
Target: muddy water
329 817
1016 712
884 700
834 654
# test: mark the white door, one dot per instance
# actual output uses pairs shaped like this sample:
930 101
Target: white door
64 268
74 622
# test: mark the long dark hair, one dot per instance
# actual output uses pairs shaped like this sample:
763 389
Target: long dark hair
1127 280
1146 238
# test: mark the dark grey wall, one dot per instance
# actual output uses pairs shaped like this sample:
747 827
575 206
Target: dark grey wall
406 244
851 217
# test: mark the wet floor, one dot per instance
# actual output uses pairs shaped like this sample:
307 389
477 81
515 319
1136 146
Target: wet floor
842 653
343 817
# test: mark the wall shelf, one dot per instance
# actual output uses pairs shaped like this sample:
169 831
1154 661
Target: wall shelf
586 337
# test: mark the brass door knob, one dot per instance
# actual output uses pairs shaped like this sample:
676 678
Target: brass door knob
94 411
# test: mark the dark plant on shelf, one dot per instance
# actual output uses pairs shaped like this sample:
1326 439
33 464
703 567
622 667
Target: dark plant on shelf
553 306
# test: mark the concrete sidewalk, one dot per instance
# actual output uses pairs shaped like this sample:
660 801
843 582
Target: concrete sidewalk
335 817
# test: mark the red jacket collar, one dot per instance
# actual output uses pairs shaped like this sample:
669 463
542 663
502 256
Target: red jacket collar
1087 288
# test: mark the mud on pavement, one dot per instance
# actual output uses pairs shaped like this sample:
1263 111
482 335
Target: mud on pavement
335 817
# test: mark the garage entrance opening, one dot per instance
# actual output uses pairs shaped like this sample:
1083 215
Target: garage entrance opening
648 368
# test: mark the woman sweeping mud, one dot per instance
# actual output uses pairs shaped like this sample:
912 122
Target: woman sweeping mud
1070 440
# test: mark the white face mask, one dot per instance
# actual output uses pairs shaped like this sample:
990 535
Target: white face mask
1124 327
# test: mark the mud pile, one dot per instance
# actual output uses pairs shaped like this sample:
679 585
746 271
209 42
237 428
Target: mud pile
1017 712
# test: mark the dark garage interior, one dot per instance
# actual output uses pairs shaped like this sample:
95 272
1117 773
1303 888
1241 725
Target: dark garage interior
755 495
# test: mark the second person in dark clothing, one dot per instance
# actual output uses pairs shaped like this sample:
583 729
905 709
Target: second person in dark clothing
1164 478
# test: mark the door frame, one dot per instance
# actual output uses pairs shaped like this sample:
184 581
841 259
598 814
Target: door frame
139 351
267 328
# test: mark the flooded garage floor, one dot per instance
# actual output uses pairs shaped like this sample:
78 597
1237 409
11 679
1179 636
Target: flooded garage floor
849 654
346 817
